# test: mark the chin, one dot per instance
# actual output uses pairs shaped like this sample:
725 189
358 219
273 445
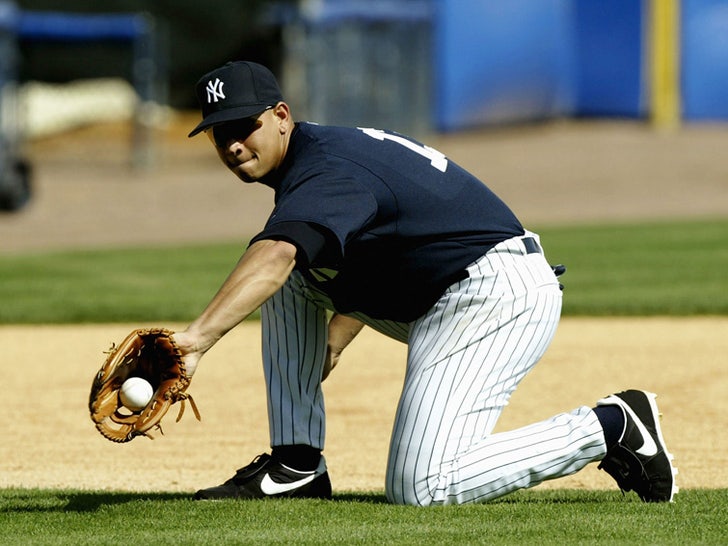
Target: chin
245 177
241 174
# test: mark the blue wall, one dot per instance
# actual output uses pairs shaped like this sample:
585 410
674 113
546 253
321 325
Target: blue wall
705 59
499 61
506 61
609 45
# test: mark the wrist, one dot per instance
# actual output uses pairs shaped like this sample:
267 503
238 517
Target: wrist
193 340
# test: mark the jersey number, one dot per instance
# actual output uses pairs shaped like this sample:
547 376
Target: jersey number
437 159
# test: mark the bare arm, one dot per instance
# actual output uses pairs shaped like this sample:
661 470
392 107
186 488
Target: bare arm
342 330
259 274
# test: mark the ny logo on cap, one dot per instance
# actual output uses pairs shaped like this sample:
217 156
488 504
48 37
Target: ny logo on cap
214 90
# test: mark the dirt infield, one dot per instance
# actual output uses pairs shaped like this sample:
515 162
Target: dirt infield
557 173
55 445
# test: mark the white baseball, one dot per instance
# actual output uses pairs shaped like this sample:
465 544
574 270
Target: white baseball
135 393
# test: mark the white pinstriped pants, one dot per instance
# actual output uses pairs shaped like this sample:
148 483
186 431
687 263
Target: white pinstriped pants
466 356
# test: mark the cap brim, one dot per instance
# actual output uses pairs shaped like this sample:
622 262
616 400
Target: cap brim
229 114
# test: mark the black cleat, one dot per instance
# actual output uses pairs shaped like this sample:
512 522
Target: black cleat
265 477
639 461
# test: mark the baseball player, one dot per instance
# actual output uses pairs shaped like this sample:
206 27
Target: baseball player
373 228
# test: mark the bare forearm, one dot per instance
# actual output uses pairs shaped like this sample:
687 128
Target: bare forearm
261 271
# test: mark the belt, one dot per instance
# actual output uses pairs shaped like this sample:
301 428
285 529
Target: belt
531 246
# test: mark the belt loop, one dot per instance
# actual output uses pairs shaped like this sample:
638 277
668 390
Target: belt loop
531 245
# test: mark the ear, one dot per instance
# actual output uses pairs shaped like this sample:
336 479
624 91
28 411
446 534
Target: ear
282 113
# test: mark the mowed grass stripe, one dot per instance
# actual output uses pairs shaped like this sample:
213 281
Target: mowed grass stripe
676 268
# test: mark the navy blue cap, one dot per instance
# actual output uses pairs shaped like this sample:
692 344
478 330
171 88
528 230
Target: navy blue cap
237 90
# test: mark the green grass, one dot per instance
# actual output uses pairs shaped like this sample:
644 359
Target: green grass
120 285
665 268
651 269
532 517
662 268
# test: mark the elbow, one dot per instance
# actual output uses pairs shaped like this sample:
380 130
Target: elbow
270 261
284 252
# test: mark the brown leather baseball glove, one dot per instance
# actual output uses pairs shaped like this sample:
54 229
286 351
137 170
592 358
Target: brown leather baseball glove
149 353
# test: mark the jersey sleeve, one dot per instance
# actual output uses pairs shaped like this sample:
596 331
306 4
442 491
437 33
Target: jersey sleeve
316 246
320 216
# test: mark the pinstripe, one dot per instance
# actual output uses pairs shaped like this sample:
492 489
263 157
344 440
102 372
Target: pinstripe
294 337
294 343
311 343
575 434
467 356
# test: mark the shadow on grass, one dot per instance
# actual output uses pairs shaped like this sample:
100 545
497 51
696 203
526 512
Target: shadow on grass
362 498
90 501
39 501
33 500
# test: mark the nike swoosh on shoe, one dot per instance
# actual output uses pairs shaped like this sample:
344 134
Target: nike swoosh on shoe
649 447
270 487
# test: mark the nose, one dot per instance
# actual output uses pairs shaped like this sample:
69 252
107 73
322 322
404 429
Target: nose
226 144
234 146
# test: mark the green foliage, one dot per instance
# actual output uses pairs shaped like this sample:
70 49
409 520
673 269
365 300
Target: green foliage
665 269
558 517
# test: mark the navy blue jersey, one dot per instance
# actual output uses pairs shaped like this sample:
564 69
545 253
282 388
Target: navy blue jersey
382 223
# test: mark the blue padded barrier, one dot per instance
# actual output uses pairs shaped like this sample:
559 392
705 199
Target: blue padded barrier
502 61
48 25
704 56
609 48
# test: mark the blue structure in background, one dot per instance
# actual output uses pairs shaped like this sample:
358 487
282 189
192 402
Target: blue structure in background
610 44
704 55
498 61
524 60
502 61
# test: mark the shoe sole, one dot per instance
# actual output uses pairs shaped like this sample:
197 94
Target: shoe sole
651 400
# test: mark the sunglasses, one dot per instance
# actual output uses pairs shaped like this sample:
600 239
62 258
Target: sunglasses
239 129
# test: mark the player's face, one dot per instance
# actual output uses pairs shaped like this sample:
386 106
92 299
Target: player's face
253 147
